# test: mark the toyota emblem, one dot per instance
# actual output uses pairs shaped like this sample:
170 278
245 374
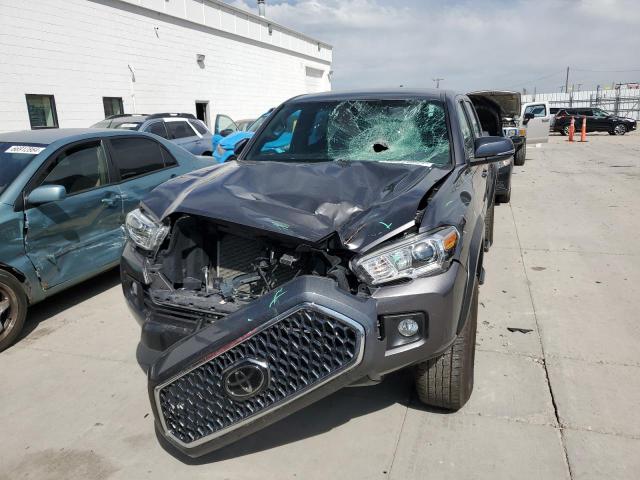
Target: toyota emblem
246 378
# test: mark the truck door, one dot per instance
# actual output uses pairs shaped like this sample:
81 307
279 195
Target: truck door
80 234
538 126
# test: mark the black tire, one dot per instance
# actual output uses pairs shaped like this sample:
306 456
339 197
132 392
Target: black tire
565 130
520 156
447 381
619 129
488 227
504 197
207 154
13 309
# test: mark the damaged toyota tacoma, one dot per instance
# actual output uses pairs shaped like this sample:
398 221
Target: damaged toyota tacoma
344 243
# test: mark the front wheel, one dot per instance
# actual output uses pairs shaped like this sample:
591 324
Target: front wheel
520 155
565 130
447 381
13 309
619 129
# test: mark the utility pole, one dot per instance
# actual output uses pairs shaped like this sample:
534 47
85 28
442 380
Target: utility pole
437 80
566 82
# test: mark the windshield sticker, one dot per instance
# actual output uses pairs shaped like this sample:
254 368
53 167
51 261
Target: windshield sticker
386 225
276 296
29 150
128 125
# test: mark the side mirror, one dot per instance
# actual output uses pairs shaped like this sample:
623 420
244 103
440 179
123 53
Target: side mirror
239 147
492 149
226 132
47 194
527 116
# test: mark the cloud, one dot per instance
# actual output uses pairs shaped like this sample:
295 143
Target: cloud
472 44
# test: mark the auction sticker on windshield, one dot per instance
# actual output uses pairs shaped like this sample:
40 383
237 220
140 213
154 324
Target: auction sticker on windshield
29 150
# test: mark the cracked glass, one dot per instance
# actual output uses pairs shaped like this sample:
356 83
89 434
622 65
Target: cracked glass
405 131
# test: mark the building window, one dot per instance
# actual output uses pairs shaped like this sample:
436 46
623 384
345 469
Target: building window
112 106
42 111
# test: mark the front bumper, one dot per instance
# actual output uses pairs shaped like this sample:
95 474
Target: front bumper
188 361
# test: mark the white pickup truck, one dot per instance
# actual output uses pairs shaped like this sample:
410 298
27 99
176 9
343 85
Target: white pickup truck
536 118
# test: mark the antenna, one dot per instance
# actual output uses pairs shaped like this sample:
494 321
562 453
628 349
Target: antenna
437 80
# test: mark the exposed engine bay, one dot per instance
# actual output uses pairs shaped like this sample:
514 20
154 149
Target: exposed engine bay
217 269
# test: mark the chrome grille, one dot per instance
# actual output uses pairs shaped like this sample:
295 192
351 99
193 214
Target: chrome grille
303 348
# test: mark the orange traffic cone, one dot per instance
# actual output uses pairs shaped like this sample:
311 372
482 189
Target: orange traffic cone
572 129
583 130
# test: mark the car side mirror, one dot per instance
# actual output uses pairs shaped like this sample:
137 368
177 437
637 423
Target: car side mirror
492 149
527 116
47 194
239 147
226 132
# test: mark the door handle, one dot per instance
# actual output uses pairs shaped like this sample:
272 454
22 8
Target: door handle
545 120
111 200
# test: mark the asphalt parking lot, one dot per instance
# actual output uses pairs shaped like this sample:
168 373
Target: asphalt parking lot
558 402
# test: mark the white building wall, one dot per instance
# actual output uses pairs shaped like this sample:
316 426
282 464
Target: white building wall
80 51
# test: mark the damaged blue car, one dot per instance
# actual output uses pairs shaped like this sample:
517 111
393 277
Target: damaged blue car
64 194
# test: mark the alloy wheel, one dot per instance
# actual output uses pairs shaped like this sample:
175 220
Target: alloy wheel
620 129
8 311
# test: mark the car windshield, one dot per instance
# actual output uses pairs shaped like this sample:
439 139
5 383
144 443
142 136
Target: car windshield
406 131
14 157
256 125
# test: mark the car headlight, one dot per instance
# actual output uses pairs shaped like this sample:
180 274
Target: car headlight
523 132
510 132
415 256
143 231
220 149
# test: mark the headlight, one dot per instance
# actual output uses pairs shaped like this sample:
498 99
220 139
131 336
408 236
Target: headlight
523 132
143 231
510 132
220 149
415 256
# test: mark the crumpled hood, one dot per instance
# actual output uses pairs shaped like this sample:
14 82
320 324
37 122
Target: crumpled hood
363 202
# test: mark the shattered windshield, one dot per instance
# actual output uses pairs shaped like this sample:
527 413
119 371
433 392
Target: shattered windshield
407 131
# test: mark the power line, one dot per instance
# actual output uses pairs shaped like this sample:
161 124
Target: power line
607 71
535 79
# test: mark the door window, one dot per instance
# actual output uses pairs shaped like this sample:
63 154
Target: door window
225 126
475 123
179 129
199 126
537 110
158 128
467 134
112 106
137 156
79 168
42 111
600 113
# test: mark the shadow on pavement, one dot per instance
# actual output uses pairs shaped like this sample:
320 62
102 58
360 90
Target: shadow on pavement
66 299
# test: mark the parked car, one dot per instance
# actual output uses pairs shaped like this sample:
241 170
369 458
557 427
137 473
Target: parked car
598 120
499 113
224 151
356 249
181 128
63 197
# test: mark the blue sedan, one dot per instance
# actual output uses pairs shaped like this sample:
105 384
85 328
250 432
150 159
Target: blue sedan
64 194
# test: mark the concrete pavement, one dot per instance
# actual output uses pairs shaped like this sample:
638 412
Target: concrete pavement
560 402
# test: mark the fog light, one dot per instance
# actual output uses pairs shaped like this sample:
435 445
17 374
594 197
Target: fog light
408 327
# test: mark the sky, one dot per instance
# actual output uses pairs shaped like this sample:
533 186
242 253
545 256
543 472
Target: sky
471 44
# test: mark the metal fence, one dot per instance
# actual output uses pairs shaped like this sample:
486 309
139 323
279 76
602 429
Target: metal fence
624 102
